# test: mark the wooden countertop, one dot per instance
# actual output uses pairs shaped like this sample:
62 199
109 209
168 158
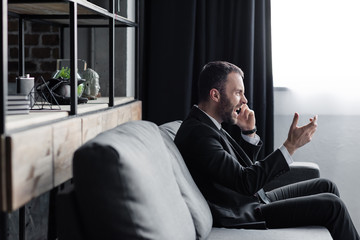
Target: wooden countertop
37 149
36 117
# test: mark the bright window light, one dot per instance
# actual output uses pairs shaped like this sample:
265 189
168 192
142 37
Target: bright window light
316 45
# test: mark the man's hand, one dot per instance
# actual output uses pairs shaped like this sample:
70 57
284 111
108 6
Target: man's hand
246 118
299 136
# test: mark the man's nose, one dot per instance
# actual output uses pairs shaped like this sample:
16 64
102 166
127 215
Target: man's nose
243 100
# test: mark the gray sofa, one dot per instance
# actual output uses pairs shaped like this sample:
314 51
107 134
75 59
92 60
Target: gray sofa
131 183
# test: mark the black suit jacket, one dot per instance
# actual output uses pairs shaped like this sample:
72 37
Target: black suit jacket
226 171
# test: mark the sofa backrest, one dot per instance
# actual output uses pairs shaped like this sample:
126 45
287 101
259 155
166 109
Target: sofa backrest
199 209
130 185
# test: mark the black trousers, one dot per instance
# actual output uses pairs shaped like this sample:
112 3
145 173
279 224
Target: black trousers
313 202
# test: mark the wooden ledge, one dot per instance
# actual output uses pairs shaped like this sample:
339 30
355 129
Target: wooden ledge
37 159
38 117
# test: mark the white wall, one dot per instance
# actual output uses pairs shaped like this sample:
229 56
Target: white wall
335 145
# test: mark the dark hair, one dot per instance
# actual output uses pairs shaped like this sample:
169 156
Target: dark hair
214 75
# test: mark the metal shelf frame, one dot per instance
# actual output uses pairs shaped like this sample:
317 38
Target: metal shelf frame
3 98
69 19
69 16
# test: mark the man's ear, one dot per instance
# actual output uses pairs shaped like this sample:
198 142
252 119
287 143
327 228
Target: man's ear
215 95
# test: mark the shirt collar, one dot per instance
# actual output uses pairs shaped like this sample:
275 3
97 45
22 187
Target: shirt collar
217 124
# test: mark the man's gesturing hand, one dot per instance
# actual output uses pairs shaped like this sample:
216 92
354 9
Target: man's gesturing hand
299 136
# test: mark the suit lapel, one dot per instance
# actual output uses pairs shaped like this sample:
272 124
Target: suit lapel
232 146
239 152
229 148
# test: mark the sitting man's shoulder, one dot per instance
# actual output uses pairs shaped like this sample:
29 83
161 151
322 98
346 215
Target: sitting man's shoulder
193 130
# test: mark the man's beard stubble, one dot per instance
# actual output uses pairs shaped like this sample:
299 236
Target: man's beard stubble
226 110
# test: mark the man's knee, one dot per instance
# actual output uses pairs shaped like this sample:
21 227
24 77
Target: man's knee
332 202
327 186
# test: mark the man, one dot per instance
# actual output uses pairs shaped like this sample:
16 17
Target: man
231 178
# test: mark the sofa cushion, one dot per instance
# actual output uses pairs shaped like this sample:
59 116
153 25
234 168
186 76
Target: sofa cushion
126 188
300 233
171 128
195 201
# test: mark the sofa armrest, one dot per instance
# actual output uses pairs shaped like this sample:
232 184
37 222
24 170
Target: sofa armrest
299 171
67 216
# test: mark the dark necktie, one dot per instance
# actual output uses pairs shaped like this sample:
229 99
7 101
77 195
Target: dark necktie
261 193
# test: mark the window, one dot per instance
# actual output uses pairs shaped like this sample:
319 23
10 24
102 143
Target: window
316 49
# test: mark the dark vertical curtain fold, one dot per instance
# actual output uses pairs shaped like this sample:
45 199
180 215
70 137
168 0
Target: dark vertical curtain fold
181 36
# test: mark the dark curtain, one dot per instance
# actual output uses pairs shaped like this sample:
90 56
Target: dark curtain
179 37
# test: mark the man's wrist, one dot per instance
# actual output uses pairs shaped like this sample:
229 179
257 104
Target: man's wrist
286 155
252 139
249 132
291 149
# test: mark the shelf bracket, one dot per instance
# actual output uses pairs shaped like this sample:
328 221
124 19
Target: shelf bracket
111 56
73 58
21 45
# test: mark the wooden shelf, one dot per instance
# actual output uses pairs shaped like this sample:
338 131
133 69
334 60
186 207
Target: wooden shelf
40 117
39 158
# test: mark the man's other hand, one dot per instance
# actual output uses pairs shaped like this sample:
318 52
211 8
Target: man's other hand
299 136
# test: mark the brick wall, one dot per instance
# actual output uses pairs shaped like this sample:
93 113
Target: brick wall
42 48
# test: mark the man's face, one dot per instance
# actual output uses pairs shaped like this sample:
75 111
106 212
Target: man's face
231 98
